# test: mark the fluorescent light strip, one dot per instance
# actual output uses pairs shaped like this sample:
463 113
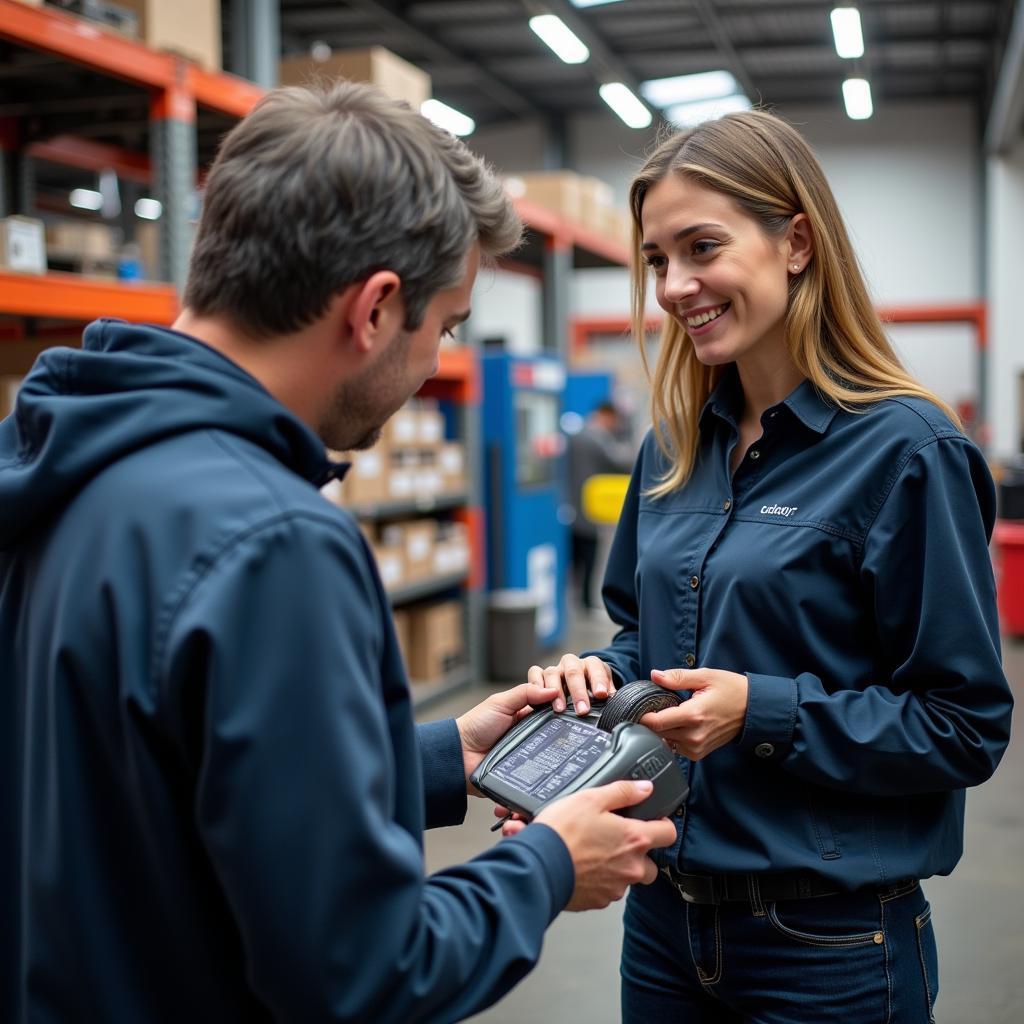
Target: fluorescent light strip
448 118
847 32
857 97
593 3
686 115
148 209
85 199
566 45
663 92
625 104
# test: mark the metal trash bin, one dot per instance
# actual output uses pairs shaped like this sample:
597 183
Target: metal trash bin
512 646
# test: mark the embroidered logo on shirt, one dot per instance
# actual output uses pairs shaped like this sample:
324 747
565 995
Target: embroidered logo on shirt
778 510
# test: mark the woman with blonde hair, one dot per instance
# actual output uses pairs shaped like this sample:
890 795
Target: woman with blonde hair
803 556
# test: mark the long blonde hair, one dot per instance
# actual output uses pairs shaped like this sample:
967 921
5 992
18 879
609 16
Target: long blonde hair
834 334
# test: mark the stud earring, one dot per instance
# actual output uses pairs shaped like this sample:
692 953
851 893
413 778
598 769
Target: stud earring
796 266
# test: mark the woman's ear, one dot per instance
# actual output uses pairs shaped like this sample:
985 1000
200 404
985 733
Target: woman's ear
376 311
800 243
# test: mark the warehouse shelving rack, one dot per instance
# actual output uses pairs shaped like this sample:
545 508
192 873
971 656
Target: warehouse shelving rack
179 94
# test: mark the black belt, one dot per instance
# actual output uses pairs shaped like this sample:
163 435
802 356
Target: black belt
770 888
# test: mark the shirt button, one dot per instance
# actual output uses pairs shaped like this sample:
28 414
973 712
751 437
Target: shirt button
754 453
764 750
690 661
694 582
727 504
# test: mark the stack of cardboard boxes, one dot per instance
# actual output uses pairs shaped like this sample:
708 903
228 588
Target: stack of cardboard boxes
189 28
412 465
412 462
432 639
584 201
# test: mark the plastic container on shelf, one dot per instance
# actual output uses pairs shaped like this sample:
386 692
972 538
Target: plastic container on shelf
1008 544
511 635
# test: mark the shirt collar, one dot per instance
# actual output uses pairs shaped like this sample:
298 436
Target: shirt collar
810 407
805 402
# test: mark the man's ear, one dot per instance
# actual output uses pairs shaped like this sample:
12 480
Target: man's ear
376 310
800 239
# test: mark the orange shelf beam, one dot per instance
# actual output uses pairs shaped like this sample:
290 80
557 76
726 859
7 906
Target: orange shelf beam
966 312
77 40
457 377
72 151
220 91
71 297
564 234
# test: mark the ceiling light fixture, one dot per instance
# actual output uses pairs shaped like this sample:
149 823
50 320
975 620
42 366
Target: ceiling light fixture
148 209
448 118
622 100
85 199
686 115
847 32
706 85
560 38
593 3
857 97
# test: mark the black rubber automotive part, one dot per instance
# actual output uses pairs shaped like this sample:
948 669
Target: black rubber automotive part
634 700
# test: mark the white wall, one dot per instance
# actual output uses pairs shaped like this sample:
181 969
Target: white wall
1005 217
908 182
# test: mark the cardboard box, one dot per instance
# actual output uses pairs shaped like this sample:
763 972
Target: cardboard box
8 394
436 643
416 538
81 239
451 461
398 78
190 28
366 481
596 200
402 429
451 550
390 558
22 245
558 191
429 427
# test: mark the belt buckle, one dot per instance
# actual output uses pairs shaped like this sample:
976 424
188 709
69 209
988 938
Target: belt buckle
715 896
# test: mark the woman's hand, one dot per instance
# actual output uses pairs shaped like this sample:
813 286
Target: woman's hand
582 679
713 716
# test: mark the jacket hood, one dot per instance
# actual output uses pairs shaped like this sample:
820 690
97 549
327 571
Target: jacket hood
130 386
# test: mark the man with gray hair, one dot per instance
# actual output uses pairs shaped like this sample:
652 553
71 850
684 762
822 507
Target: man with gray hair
212 790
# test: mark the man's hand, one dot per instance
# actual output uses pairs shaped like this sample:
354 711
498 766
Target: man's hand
713 715
481 727
574 675
609 852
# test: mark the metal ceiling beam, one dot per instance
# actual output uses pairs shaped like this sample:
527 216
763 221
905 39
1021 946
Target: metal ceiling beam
604 65
716 29
1007 111
387 16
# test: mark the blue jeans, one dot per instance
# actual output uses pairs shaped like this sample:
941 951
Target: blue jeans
865 957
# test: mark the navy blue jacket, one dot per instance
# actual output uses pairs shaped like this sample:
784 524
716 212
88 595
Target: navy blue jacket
211 786
844 569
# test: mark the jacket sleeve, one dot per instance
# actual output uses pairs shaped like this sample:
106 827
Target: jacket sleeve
619 589
308 795
444 775
938 716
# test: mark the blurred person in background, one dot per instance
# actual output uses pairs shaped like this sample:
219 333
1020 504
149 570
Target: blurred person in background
597 448
803 555
212 790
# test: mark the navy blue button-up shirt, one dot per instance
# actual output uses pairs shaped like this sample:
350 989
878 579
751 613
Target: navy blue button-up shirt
844 568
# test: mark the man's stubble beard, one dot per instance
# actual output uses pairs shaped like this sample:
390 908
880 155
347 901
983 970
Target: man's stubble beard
363 404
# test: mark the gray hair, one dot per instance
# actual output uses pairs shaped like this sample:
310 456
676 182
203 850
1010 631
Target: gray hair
319 188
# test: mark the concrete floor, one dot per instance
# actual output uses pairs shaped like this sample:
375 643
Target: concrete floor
978 911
